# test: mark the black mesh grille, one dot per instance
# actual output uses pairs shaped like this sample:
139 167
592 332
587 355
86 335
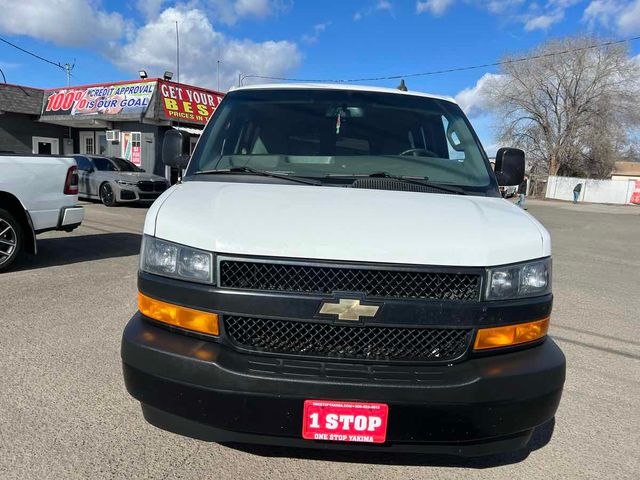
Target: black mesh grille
338 341
145 186
150 186
327 279
159 186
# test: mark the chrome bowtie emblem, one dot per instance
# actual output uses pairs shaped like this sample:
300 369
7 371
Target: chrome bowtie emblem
349 309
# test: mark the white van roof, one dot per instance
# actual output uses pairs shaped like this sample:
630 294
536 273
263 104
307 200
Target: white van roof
338 86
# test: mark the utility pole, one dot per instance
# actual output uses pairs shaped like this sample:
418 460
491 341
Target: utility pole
218 74
67 70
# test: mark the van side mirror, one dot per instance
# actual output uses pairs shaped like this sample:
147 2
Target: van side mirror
175 149
509 167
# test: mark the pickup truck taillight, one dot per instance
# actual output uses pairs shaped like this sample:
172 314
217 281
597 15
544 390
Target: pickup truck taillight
71 182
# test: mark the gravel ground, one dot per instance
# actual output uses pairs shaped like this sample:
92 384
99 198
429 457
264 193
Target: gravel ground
64 412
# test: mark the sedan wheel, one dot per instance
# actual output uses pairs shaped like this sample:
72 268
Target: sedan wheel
107 196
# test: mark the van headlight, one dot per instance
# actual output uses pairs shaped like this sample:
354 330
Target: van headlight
521 280
174 260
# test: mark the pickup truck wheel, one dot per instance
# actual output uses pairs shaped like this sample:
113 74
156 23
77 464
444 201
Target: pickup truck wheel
10 239
107 195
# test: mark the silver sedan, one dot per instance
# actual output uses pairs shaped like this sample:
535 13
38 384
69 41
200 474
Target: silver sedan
115 180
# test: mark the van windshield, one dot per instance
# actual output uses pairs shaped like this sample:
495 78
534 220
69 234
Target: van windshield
327 134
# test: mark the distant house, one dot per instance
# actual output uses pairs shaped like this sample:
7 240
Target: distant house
624 171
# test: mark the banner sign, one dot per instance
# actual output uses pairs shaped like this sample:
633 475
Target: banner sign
188 104
132 147
108 99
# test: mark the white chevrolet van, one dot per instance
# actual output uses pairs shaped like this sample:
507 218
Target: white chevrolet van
338 270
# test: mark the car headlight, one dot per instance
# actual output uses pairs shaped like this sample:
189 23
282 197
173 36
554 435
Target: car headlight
521 280
177 261
127 183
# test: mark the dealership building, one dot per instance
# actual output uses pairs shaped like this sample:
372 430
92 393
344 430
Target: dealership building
121 119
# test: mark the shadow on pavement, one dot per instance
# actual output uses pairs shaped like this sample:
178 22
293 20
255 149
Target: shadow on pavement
90 201
74 249
541 436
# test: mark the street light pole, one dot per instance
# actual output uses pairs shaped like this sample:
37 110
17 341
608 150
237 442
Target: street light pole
178 52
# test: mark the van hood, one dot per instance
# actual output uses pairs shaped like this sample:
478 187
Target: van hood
336 223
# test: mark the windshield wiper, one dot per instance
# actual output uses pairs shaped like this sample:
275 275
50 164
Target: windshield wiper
263 173
424 183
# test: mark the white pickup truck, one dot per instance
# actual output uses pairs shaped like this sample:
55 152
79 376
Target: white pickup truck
38 193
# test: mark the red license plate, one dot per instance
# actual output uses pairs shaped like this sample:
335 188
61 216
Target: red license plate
345 421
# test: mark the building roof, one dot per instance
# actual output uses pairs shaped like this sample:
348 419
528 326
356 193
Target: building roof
338 86
626 168
17 99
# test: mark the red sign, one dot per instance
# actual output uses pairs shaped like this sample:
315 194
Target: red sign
136 155
186 103
345 421
635 196
132 147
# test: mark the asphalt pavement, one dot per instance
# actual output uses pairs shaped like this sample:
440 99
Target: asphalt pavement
64 411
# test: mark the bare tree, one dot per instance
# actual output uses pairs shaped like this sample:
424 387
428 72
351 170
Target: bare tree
572 108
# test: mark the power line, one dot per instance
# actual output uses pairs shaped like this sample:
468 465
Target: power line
31 53
67 67
448 70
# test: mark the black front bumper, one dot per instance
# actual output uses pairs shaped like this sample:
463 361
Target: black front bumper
209 391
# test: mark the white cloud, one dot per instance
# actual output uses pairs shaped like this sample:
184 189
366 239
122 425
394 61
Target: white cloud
629 21
152 47
255 8
63 22
500 7
230 11
619 15
601 12
544 16
473 100
311 38
532 15
434 7
544 21
378 6
150 8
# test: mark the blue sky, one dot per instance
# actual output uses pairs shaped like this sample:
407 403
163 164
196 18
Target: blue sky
329 39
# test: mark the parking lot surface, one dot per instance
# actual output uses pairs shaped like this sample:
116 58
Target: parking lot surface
64 411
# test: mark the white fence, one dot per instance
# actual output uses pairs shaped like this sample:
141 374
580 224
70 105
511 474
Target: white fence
594 191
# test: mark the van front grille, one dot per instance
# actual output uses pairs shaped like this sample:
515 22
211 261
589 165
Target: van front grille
340 341
372 282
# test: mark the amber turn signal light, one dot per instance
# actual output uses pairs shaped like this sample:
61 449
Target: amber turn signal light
183 317
508 335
